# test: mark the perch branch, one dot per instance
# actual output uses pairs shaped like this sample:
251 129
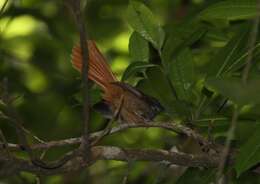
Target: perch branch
111 153
170 126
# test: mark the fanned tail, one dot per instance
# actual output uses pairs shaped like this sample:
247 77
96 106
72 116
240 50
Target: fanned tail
99 70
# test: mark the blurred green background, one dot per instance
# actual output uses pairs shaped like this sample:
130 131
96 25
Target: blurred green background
36 38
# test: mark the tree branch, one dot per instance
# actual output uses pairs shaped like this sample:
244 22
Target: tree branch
170 126
111 153
76 9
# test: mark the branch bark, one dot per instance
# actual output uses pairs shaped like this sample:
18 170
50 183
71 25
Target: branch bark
170 126
110 153
76 9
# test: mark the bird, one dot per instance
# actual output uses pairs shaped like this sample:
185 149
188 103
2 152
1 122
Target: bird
119 99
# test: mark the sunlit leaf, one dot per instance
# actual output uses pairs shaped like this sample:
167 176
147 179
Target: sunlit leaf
144 22
249 154
138 48
217 37
135 67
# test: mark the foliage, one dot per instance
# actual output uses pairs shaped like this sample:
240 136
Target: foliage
190 56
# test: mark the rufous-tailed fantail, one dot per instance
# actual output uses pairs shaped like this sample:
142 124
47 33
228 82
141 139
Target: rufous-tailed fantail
132 105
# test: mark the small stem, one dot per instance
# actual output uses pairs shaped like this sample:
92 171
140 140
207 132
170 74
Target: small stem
110 123
225 153
3 7
76 9
251 44
18 122
199 109
5 143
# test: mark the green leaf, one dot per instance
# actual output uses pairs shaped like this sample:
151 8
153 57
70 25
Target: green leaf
144 22
138 48
249 154
180 37
182 75
235 90
135 67
216 37
230 10
232 56
195 175
244 128
160 86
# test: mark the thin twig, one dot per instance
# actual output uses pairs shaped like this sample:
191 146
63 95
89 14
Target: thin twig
3 7
226 151
38 180
43 154
26 131
11 112
5 143
58 163
76 9
107 130
251 44
199 109
126 175
24 145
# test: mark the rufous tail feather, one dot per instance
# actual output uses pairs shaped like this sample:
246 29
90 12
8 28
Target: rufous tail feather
99 70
